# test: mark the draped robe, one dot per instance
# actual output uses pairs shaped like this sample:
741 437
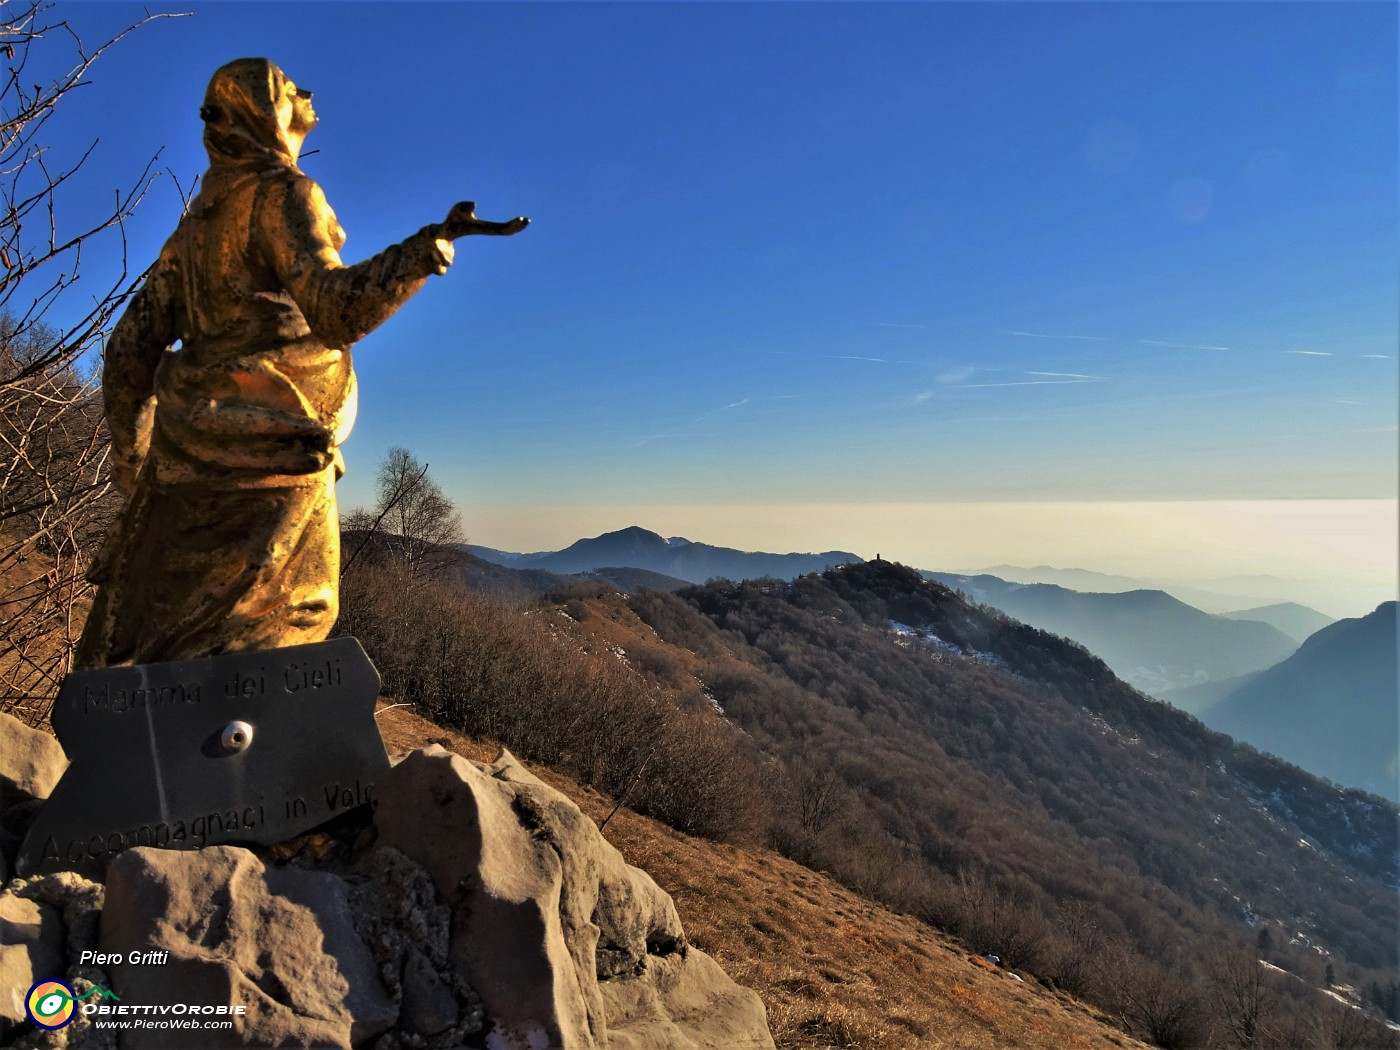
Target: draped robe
229 389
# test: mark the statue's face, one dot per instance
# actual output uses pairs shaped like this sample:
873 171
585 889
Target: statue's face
297 117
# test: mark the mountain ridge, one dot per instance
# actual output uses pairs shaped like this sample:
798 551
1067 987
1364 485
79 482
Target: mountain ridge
990 778
1216 595
639 548
1297 621
1330 707
1152 640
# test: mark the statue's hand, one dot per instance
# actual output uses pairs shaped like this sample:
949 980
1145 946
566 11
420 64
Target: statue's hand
462 221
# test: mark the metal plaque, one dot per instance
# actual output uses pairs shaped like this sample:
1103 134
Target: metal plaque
249 747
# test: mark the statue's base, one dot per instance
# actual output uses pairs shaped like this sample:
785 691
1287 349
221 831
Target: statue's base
249 747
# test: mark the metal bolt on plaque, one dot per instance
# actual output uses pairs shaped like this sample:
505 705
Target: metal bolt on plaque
237 736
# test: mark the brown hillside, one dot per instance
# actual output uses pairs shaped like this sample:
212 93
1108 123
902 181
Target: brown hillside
833 969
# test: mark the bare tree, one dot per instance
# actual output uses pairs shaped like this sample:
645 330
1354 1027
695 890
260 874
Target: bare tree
1244 1000
821 793
413 521
1161 1006
1077 963
53 441
1339 1027
42 255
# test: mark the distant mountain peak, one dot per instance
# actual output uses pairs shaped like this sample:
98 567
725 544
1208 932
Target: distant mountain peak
1299 622
1330 707
634 547
632 532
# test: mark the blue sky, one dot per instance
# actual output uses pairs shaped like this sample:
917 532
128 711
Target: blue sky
860 253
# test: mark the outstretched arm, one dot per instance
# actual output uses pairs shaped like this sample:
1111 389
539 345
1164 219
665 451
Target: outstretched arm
462 222
342 304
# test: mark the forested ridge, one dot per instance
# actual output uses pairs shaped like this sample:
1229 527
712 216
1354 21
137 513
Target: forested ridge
1023 758
992 779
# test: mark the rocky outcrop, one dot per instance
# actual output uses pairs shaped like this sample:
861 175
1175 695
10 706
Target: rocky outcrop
408 928
482 908
280 942
31 949
30 761
46 923
566 943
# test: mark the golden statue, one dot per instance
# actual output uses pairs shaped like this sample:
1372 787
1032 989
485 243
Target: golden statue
227 448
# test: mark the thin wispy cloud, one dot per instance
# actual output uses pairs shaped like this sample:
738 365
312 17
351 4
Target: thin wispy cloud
1310 353
956 379
712 412
1345 401
1047 335
1182 346
1377 357
841 357
957 375
893 324
1031 382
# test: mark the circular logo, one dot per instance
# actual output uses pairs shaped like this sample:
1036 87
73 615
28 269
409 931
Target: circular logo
50 1004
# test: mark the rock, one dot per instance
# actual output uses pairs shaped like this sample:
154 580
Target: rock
79 902
566 943
281 942
685 1001
503 884
15 819
428 1004
30 761
407 927
31 949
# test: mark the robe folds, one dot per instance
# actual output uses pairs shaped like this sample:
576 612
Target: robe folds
229 388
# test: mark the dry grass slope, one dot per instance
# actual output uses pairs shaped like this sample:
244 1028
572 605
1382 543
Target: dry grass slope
833 969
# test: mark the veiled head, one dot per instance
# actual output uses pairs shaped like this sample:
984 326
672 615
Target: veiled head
254 114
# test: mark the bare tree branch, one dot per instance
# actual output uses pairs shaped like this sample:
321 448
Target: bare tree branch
55 499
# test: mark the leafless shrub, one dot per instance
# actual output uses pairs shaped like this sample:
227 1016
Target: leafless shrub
1338 1027
1160 1006
1074 955
1001 920
53 441
1244 1001
54 507
493 672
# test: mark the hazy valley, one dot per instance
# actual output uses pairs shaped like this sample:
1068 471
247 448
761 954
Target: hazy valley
1341 717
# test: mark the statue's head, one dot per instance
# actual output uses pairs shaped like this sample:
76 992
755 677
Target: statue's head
253 113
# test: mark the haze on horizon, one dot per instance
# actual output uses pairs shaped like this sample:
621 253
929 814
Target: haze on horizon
1093 285
1338 557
